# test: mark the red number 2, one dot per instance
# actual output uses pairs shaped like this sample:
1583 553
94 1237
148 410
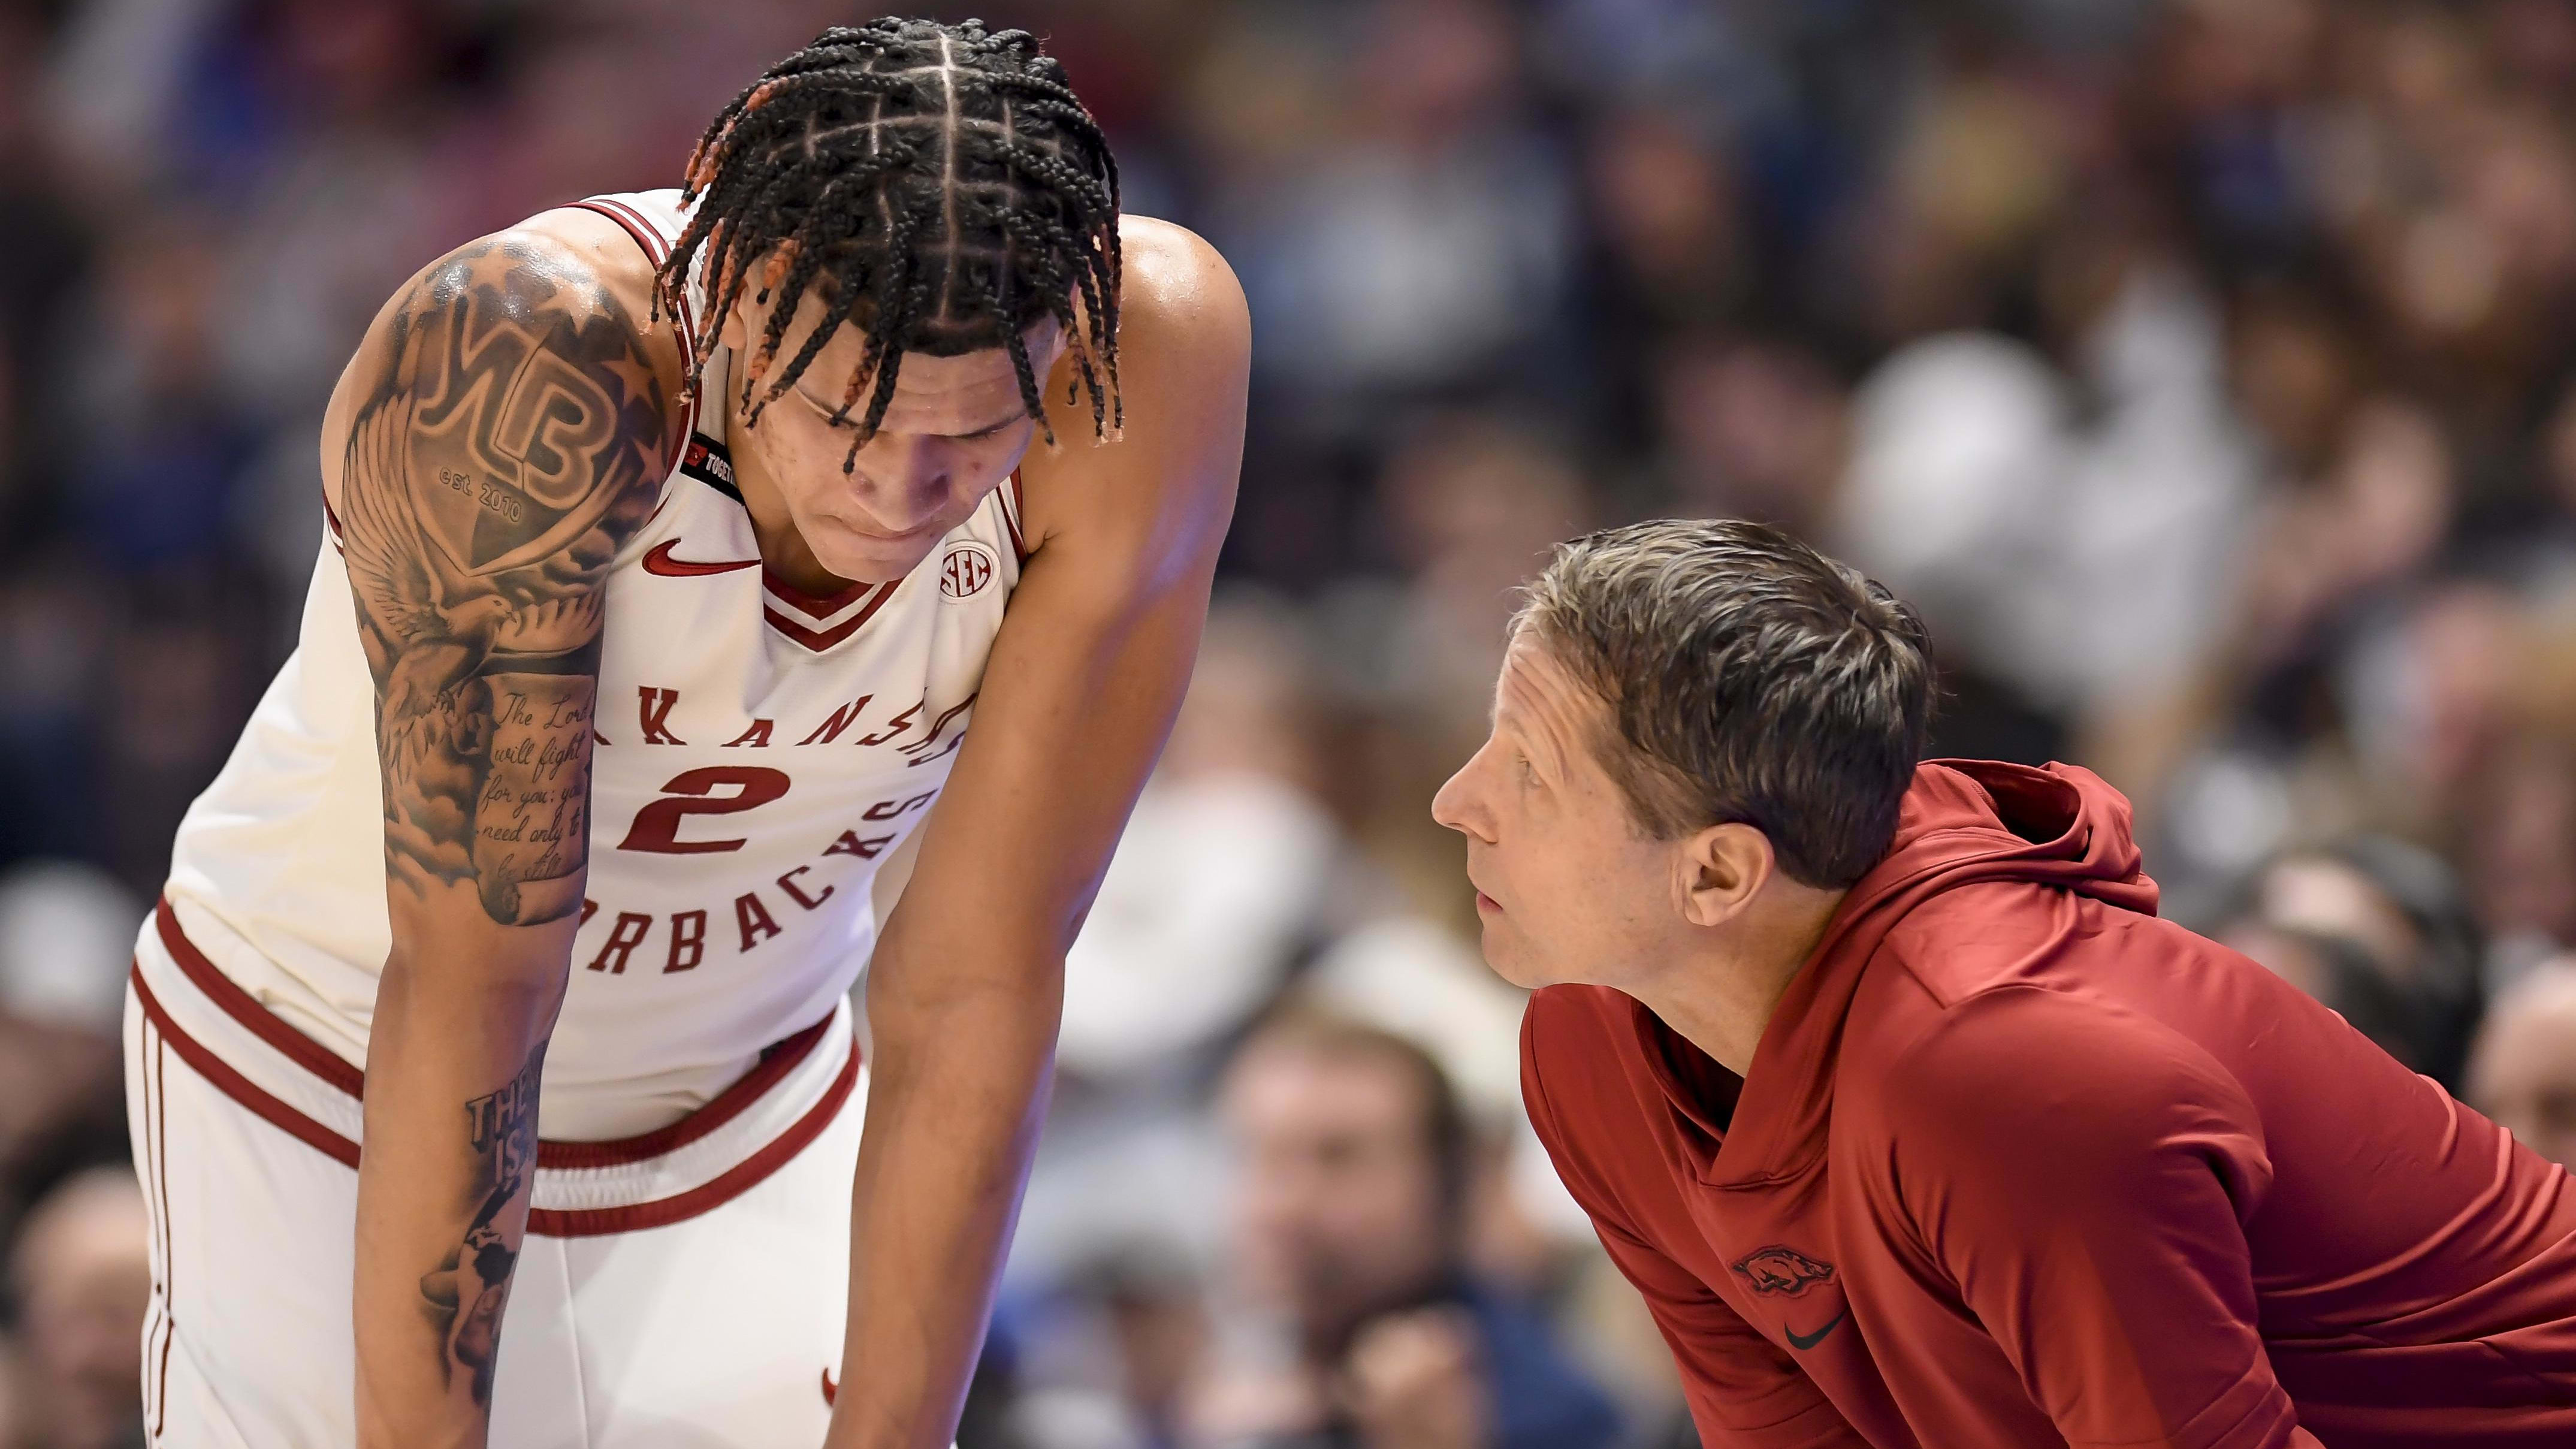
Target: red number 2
691 792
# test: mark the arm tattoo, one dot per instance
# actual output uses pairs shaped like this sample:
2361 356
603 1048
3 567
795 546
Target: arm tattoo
465 1294
508 443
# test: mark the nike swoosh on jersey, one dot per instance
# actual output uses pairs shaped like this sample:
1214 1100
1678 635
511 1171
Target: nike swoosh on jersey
659 561
1804 1341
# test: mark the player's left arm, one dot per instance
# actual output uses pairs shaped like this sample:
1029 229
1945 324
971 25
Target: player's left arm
2084 1177
966 987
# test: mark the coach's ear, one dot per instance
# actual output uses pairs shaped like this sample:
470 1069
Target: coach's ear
1721 869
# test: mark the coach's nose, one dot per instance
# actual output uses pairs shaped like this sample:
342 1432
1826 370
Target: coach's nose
1461 804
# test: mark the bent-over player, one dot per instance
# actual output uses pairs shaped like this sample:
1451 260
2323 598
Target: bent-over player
502 975
1889 1091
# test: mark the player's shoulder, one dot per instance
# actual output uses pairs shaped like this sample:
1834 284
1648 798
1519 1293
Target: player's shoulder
567 260
1176 288
572 283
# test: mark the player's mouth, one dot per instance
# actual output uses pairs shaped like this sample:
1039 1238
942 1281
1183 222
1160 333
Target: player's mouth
910 535
1486 903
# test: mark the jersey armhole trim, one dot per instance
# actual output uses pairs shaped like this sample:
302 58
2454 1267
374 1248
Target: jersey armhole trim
648 238
1013 505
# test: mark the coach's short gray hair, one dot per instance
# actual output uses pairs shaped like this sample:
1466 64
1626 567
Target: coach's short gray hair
1750 679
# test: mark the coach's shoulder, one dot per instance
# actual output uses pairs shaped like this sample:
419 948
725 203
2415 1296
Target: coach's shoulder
1174 285
2055 1082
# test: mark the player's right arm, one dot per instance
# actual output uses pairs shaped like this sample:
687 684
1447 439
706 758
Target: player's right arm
500 433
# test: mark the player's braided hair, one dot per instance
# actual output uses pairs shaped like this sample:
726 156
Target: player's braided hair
941 183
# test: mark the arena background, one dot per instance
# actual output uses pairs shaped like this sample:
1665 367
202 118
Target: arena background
2202 369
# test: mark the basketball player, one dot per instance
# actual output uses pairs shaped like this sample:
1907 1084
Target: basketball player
1913 1124
501 981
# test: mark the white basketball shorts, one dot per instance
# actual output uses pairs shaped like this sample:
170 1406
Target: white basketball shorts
680 1290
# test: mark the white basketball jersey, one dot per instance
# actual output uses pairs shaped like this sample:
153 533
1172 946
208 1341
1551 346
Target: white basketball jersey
759 753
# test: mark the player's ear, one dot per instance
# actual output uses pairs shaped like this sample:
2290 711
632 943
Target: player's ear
1722 869
751 309
732 331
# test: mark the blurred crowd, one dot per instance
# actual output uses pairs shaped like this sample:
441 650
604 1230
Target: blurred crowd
2202 368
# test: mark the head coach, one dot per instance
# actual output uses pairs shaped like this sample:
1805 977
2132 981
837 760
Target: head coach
1885 1085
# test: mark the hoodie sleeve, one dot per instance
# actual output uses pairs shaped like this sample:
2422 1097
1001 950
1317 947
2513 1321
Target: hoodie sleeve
1744 1392
2082 1175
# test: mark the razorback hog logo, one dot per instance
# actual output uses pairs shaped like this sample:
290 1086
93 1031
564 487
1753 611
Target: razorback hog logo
1782 1270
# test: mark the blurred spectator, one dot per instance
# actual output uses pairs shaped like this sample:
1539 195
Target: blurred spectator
1220 887
81 1277
2524 1071
2376 929
1427 245
66 936
1357 1322
1218 882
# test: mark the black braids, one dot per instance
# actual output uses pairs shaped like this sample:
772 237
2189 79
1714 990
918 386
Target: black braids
830 227
835 312
1058 284
883 361
1081 345
933 259
806 257
733 266
1025 370
1054 169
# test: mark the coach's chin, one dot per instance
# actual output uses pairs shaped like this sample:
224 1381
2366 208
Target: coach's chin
1884 1084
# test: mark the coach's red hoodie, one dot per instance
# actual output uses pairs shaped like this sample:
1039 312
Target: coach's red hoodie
2019 1164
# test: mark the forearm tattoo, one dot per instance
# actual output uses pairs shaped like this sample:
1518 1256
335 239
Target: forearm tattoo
509 443
465 1294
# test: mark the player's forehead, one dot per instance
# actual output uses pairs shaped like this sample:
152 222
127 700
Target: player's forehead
934 393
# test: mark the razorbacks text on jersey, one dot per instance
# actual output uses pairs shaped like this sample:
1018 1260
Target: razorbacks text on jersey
758 754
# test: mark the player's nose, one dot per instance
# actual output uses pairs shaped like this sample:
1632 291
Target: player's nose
907 487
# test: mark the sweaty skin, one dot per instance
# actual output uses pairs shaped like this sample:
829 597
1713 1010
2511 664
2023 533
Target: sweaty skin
501 432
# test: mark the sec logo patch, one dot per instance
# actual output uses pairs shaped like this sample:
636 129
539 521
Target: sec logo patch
964 571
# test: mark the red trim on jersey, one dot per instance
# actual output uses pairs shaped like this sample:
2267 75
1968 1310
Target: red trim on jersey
708 1196
776 1061
819 640
1012 507
821 606
656 251
238 1087
241 1007
157 1097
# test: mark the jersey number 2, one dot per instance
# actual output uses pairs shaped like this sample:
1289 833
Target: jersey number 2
692 792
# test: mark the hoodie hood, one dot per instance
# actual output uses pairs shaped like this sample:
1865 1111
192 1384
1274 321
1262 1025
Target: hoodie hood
1962 822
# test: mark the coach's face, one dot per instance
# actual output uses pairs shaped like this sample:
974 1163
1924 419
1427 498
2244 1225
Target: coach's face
953 431
1568 886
